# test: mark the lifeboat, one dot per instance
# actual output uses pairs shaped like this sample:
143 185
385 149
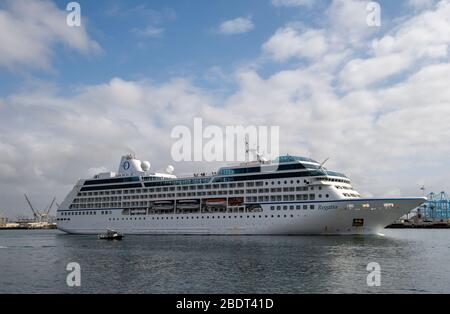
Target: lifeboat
188 204
163 205
216 202
235 201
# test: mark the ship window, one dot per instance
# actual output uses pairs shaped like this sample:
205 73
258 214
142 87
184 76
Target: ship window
278 207
272 207
285 207
311 207
291 207
305 206
327 195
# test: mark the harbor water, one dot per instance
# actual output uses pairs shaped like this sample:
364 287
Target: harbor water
411 261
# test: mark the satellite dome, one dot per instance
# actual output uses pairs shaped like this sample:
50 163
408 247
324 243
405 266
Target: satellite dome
170 169
145 165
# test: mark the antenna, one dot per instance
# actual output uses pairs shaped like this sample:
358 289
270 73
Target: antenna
258 155
423 189
321 167
247 148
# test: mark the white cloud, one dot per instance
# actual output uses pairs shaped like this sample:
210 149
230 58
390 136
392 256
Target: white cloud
424 37
29 30
420 4
289 43
149 31
362 72
236 26
292 3
347 22
387 137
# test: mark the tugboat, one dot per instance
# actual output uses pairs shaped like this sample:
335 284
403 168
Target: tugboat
110 235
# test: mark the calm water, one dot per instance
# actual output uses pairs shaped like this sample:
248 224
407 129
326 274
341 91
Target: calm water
412 261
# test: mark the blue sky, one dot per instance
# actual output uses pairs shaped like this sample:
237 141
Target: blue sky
189 45
373 99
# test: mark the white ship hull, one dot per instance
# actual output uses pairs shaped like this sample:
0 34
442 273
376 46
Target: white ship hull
328 218
292 195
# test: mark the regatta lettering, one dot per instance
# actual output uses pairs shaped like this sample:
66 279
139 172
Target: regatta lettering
327 207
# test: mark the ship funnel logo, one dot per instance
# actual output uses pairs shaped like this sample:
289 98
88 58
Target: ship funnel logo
126 165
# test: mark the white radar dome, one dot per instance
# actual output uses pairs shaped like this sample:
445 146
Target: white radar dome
170 169
145 165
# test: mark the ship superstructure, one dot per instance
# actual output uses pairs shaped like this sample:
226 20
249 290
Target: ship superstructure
289 195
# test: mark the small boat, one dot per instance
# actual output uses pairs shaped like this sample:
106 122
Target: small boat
110 235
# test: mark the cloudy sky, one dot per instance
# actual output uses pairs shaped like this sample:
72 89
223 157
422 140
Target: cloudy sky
376 100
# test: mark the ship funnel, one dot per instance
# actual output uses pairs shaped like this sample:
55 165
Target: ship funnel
130 165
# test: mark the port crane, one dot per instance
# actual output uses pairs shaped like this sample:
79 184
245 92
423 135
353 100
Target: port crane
40 215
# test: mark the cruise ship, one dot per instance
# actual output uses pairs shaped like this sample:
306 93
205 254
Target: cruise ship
289 195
